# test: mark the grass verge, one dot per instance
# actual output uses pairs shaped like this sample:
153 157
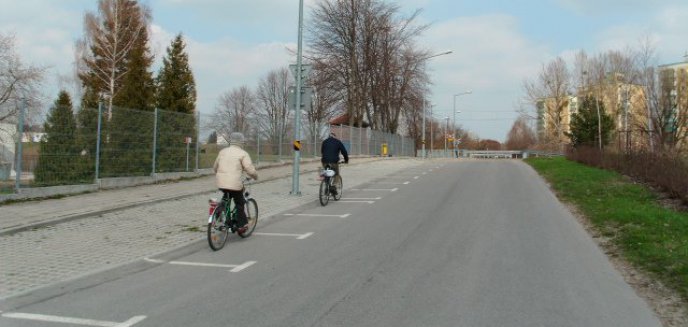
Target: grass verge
650 236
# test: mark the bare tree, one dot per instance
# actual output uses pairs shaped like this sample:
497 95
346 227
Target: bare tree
549 93
17 81
110 36
521 136
272 112
326 97
368 49
233 111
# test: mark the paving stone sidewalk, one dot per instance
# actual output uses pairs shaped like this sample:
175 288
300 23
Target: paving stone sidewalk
57 252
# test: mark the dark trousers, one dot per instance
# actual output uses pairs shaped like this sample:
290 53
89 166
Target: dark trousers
239 202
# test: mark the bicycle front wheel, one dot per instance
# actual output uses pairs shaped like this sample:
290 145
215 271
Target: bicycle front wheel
251 208
324 193
339 187
217 230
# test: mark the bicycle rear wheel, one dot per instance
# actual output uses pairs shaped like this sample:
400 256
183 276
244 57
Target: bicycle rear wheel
339 186
324 194
217 230
251 208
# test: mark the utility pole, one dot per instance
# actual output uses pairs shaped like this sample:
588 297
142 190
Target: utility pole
297 116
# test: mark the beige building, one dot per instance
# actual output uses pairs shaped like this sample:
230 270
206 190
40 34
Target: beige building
554 118
673 101
625 103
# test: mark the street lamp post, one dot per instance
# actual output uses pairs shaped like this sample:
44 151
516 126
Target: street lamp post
425 105
454 132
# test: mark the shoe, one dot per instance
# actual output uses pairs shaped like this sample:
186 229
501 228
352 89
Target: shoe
242 230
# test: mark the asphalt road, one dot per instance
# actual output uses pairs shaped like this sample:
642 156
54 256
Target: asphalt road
470 243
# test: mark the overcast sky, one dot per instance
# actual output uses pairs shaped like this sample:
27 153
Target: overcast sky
495 44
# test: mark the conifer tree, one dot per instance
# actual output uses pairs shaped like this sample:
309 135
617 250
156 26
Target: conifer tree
176 98
176 85
585 124
58 151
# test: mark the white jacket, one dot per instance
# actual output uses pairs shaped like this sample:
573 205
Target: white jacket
229 165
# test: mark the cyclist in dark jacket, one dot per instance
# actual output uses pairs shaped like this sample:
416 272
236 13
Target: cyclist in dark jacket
330 149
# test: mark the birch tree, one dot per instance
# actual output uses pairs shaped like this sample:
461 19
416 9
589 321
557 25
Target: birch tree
110 36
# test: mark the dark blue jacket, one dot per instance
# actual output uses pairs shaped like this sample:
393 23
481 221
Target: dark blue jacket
330 149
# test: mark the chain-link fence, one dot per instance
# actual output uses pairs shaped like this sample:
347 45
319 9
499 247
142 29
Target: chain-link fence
96 144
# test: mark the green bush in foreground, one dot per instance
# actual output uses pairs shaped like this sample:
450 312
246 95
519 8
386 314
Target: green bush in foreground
651 236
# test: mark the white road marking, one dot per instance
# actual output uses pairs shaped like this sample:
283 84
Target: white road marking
406 183
234 268
201 264
316 215
357 201
74 321
415 177
304 236
244 266
425 173
298 236
153 260
377 198
389 183
375 189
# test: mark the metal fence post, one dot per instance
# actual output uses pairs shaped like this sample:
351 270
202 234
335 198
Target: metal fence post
155 138
257 148
20 134
402 145
198 140
360 141
98 136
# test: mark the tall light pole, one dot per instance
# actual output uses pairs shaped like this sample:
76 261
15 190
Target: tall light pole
425 104
297 116
454 132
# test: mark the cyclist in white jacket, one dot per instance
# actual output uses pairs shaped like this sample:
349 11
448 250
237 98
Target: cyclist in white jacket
231 162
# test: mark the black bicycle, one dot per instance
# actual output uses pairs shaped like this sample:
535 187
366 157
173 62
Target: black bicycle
330 186
223 219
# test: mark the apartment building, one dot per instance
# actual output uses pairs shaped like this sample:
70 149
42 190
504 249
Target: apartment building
624 102
673 102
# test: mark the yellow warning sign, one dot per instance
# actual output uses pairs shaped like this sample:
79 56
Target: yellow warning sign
297 145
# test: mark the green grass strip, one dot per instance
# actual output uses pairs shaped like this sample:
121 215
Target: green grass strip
652 237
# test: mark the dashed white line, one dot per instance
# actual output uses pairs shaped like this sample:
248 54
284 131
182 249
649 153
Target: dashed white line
298 236
375 189
304 236
244 266
316 215
406 183
201 264
235 268
377 198
154 260
415 177
74 321
357 201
